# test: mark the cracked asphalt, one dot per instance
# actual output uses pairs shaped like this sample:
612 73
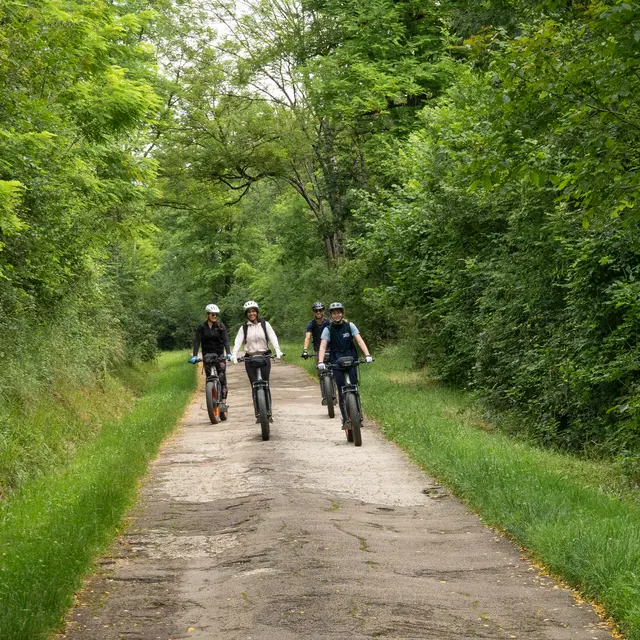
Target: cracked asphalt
306 536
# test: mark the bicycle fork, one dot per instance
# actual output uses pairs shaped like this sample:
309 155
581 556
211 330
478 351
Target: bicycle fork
261 384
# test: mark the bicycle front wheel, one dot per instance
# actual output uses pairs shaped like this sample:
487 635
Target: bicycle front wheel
327 392
213 395
263 413
353 415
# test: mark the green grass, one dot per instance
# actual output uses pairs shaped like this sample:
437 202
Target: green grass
578 518
43 427
54 526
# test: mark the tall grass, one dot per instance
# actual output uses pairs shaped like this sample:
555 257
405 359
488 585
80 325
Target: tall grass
55 392
54 526
576 517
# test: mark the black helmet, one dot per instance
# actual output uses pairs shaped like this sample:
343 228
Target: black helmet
317 306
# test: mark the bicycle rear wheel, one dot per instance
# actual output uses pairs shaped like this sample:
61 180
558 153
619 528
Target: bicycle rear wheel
213 395
353 415
327 392
263 414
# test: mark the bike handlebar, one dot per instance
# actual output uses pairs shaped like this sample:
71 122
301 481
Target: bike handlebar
273 356
355 362
216 359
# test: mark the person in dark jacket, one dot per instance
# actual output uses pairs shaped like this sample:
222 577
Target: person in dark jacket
213 337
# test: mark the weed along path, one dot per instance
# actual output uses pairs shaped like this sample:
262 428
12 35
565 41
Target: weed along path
306 536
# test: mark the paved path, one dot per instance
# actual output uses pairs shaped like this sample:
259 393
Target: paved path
306 536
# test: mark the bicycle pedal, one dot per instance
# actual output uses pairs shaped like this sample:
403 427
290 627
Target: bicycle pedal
324 402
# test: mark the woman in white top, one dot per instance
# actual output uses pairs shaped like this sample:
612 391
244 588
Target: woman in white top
256 334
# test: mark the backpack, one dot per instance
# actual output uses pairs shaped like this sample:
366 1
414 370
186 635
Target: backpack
245 328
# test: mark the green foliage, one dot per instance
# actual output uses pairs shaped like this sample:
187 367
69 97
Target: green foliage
578 518
77 97
56 524
515 233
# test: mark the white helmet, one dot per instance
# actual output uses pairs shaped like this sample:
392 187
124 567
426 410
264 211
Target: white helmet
250 304
212 308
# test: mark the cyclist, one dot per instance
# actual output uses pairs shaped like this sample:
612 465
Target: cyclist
341 336
214 338
256 334
314 329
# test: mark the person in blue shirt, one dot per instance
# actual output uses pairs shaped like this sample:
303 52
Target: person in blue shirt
314 329
341 338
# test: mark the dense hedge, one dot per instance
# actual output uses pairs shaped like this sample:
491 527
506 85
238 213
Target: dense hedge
514 236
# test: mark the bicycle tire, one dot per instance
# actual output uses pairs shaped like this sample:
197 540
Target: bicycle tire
212 395
351 405
263 414
327 389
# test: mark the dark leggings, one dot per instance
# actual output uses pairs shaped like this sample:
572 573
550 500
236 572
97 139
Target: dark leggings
221 369
339 376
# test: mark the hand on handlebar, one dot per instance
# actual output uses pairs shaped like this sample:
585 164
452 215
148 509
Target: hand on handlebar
193 359
305 354
368 359
234 358
279 354
321 366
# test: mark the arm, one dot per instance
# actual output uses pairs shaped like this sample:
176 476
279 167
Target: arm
323 349
272 338
225 340
238 342
361 344
197 340
307 338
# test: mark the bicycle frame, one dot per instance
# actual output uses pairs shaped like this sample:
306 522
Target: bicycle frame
350 387
326 372
213 370
259 383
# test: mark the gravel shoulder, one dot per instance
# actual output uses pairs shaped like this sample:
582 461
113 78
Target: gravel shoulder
307 536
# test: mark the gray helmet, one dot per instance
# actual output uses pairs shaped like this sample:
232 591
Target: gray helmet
336 306
317 306
212 308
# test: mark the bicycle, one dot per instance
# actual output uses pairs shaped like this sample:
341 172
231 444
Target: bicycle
351 399
261 393
328 388
216 407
